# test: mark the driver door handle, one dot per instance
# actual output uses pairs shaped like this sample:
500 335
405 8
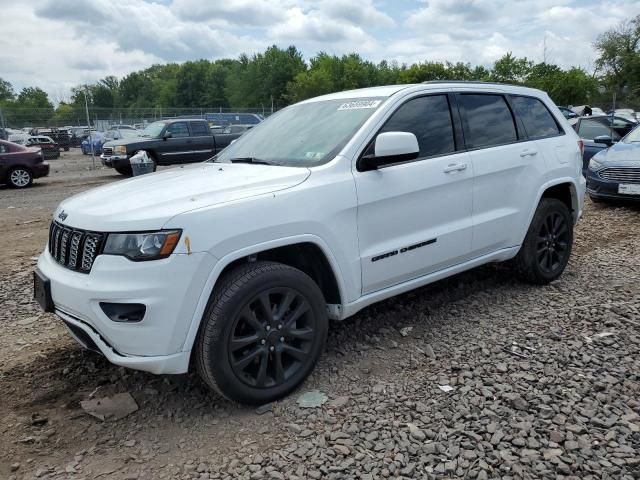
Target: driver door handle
528 153
454 167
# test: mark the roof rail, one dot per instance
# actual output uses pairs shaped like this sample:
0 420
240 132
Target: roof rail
474 82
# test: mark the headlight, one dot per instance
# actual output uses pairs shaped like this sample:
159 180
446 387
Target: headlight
142 246
120 150
595 165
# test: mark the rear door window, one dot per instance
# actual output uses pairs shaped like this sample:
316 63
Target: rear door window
489 120
178 130
537 120
429 119
200 129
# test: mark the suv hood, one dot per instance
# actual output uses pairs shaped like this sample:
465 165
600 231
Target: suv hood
149 201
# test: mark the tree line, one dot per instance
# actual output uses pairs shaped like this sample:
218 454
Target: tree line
280 76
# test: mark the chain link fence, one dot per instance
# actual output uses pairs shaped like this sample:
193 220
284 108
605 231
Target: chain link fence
33 119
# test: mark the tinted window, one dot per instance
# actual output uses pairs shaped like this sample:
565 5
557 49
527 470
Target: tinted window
178 129
591 129
489 120
200 129
429 119
537 120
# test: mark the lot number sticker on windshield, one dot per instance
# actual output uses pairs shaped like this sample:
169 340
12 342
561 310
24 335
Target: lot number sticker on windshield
359 104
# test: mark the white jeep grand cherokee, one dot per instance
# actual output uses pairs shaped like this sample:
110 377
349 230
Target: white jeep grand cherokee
328 206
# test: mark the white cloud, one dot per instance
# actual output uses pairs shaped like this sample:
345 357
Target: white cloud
236 12
56 44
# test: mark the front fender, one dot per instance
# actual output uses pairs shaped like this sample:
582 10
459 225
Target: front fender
223 262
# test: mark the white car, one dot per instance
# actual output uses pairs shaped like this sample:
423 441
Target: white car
326 207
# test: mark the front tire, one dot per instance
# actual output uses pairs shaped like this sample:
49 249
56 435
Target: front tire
19 177
262 333
546 249
126 171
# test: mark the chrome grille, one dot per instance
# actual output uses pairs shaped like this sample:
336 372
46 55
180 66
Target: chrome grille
73 248
621 174
107 151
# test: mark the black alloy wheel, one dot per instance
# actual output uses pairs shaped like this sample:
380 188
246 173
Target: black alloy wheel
553 242
272 337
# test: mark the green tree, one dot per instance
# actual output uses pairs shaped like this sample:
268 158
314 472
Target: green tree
33 104
509 69
619 59
6 91
264 77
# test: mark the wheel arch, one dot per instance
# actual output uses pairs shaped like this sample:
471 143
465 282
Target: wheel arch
13 167
564 189
308 253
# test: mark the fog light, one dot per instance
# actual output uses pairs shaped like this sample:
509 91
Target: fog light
124 312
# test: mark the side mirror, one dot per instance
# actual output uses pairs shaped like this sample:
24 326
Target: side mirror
166 135
604 139
391 147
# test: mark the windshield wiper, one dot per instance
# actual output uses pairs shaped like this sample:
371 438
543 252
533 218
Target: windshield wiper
253 160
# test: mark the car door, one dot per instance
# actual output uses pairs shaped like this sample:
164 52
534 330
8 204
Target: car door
589 129
203 144
177 148
4 160
506 167
414 218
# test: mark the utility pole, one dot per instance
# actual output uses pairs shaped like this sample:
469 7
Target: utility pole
86 107
4 127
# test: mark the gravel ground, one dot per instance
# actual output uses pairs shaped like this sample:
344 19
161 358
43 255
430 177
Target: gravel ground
543 381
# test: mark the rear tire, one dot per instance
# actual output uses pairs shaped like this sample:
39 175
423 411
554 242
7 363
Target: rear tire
546 249
19 177
262 333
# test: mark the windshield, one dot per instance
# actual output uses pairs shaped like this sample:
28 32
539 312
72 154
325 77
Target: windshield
303 135
633 136
153 130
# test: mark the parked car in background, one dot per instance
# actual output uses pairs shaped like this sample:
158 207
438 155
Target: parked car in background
568 113
97 138
59 135
233 118
167 142
19 165
237 128
19 138
120 133
50 149
626 113
234 266
614 173
598 133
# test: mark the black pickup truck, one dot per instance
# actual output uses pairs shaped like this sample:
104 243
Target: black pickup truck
167 142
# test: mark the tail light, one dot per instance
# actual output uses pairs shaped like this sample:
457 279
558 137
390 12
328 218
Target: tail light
581 147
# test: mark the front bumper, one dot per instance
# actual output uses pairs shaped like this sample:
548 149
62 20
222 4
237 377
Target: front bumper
115 161
606 189
169 288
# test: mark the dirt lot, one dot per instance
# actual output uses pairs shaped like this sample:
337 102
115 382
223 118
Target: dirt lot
545 381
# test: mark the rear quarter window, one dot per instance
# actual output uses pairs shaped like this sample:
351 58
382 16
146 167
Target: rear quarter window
536 118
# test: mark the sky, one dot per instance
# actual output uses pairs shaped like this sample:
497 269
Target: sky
57 44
